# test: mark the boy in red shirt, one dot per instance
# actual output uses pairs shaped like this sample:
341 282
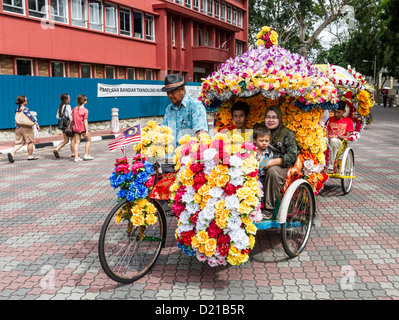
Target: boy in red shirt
339 128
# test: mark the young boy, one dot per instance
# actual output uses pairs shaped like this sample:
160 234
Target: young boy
263 154
339 128
261 136
240 112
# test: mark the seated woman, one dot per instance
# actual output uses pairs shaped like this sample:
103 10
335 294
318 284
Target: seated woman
284 147
240 112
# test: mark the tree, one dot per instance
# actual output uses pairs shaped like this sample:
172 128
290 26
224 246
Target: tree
298 23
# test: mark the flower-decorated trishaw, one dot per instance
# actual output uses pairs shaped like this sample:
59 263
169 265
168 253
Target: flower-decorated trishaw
215 193
358 96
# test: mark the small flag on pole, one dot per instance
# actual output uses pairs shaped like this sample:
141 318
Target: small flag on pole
129 136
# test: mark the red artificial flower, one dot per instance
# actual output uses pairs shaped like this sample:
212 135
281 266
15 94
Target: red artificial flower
229 189
214 230
253 174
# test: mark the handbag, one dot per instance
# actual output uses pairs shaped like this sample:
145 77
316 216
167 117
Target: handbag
69 129
22 120
63 121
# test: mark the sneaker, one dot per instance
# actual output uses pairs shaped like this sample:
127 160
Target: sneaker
78 159
88 157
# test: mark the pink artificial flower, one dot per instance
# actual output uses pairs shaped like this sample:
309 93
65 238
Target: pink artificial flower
150 182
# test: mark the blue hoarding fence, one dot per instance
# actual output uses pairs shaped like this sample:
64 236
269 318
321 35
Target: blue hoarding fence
43 95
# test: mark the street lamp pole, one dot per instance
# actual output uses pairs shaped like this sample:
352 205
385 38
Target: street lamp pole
375 68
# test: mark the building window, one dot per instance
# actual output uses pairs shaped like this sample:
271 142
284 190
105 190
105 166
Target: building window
79 13
238 49
179 1
96 15
182 36
148 74
85 71
15 6
203 6
109 72
24 67
138 24
240 18
59 10
196 5
38 8
188 3
149 28
206 37
57 69
223 11
199 36
111 19
130 73
173 33
229 14
210 8
235 16
125 23
217 9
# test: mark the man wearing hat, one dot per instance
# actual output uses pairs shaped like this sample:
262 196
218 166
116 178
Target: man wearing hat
185 115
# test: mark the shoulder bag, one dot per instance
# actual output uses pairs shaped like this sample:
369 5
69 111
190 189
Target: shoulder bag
63 121
69 129
22 120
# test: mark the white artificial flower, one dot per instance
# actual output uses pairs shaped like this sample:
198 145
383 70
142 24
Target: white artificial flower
232 202
188 196
216 192
235 172
192 207
236 161
239 181
234 223
209 154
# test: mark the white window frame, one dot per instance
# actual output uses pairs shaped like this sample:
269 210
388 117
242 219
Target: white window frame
204 6
15 7
196 5
179 2
125 11
173 33
63 68
223 11
80 19
217 9
41 13
235 16
108 7
210 8
97 8
134 73
24 59
229 12
152 74
240 17
239 48
54 16
138 36
91 69
149 27
113 72
187 3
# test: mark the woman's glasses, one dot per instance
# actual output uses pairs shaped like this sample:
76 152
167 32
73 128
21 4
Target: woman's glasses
272 117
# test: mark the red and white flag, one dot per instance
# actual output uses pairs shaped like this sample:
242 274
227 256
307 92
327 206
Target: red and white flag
129 136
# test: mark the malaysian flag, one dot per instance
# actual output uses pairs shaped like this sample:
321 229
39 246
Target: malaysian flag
129 136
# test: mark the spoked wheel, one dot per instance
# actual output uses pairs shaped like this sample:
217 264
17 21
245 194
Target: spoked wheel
349 171
127 252
301 208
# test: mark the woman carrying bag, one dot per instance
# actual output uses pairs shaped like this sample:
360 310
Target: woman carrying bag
24 123
64 114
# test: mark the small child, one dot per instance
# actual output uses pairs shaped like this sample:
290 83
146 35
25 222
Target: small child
263 154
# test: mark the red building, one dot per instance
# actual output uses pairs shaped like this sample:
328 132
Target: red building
122 39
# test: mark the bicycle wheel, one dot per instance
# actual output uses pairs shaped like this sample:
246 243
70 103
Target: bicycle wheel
295 231
349 171
127 252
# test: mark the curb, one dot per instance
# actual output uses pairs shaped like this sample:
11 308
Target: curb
56 143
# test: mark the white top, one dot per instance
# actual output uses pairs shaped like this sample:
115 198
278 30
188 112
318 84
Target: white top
68 111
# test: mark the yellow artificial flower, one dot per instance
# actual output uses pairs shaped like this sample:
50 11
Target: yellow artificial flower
202 236
151 219
265 29
137 220
184 139
151 208
142 203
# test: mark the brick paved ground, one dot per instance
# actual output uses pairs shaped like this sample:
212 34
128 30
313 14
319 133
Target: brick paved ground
52 211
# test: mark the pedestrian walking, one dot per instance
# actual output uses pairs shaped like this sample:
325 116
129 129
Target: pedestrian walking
64 110
80 115
24 123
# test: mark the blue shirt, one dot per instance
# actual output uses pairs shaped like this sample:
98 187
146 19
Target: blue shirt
188 119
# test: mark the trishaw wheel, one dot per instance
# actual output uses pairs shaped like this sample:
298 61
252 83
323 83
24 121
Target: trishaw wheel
349 171
295 232
127 252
